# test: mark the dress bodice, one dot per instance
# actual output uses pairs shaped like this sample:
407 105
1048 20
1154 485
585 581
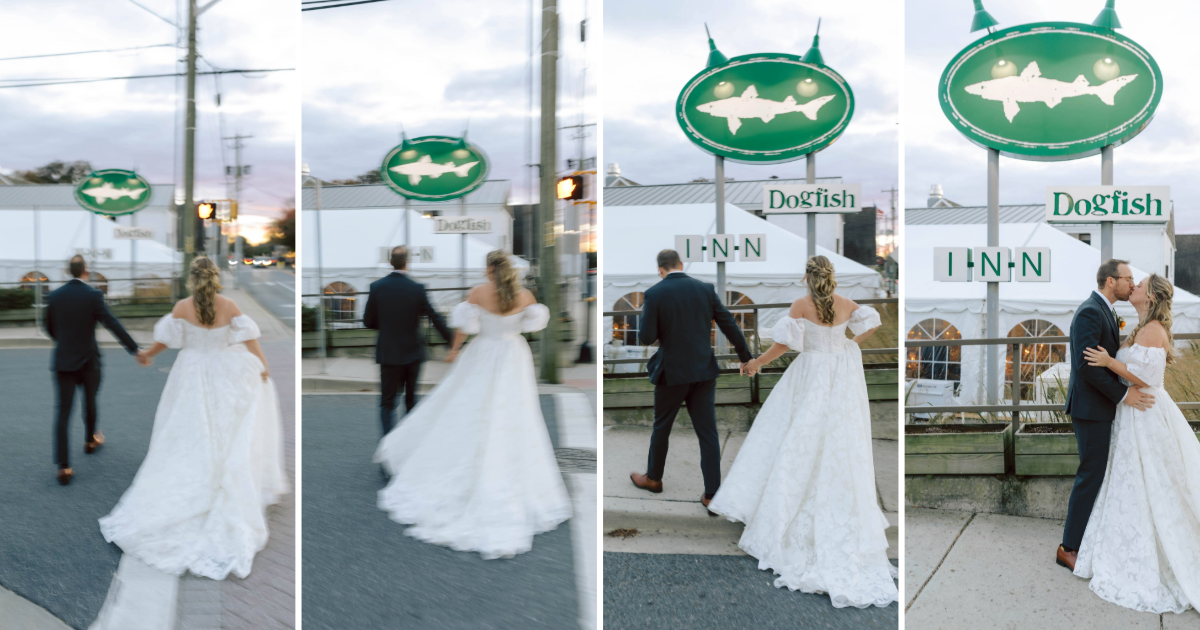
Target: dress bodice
178 333
803 335
474 320
1148 364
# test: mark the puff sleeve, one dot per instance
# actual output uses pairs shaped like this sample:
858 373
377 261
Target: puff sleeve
169 331
242 328
1148 364
535 318
789 332
465 318
863 319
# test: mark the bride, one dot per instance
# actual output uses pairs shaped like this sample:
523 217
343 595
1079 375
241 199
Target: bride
471 466
1141 548
215 461
804 480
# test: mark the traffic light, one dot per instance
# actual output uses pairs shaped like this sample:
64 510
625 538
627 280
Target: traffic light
206 209
570 187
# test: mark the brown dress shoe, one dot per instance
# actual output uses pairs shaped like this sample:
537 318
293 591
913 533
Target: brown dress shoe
64 476
645 483
96 442
1066 558
705 500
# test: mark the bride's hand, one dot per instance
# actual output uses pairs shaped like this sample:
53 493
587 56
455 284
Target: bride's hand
1097 357
266 374
451 356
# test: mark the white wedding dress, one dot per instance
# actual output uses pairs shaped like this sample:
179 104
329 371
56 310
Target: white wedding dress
472 465
215 463
804 479
1141 547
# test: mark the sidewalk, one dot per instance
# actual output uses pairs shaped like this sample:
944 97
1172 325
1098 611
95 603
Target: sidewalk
344 375
674 522
968 570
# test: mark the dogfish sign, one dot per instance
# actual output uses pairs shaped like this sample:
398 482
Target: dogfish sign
816 198
991 264
1119 204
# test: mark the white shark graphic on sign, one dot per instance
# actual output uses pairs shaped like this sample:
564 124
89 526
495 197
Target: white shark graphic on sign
425 167
108 192
749 105
1031 87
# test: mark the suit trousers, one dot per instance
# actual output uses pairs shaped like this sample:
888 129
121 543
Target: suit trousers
87 377
1093 438
393 378
700 398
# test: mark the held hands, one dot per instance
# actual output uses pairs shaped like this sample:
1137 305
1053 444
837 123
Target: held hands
266 374
750 368
1138 399
1097 357
144 359
451 356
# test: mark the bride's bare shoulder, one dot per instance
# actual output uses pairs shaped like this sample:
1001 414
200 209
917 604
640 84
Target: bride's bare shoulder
227 305
182 308
1153 335
801 307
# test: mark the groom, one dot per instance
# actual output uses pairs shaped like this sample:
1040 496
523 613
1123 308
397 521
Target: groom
678 313
1093 396
72 312
394 308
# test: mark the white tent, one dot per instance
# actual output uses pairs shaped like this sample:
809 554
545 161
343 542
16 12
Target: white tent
962 304
633 236
352 242
61 233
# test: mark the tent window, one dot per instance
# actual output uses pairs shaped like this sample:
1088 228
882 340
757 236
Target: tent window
744 319
1035 357
941 363
29 282
626 327
340 307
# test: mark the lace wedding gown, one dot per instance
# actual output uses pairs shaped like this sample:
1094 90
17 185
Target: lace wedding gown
472 465
804 479
1141 547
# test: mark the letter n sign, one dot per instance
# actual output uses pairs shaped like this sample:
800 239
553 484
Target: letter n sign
992 264
690 247
1032 264
720 247
753 247
952 264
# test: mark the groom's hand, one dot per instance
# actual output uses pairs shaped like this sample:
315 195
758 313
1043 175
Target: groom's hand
144 359
1138 399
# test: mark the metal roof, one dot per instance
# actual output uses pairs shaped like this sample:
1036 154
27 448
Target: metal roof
493 192
973 214
62 197
746 195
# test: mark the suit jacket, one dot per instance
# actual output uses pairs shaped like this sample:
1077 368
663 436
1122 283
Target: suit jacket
678 313
394 308
72 312
1094 392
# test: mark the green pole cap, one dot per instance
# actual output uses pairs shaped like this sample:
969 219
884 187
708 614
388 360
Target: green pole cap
982 18
813 55
715 58
1107 17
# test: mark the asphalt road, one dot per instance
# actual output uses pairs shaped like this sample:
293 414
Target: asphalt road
692 591
51 549
361 571
273 288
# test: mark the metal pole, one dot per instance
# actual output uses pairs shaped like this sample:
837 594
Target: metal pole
1106 179
407 227
548 260
720 180
188 220
37 262
133 254
462 204
810 177
320 279
993 288
1016 400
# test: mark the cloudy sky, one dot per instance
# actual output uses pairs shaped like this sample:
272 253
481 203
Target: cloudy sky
652 49
133 124
1167 152
429 68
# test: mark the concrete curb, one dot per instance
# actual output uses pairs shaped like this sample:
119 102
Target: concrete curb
18 612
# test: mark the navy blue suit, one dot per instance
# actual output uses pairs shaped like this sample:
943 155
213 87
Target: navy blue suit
1092 399
395 306
678 313
72 312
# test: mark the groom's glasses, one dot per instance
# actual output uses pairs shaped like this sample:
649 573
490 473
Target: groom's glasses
1120 278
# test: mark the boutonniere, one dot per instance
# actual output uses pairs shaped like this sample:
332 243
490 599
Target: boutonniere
1120 322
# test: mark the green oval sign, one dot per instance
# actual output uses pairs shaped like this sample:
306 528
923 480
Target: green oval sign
1051 91
765 108
113 192
435 168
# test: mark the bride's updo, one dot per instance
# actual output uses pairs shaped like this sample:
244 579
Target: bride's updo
818 274
204 281
508 287
1159 294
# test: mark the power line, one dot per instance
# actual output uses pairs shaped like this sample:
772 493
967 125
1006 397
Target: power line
147 10
142 76
334 6
87 52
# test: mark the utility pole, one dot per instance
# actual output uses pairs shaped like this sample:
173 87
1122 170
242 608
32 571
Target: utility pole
237 197
188 220
548 256
892 220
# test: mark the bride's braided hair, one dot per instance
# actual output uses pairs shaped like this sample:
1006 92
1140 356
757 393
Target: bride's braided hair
204 281
508 287
1159 294
818 274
